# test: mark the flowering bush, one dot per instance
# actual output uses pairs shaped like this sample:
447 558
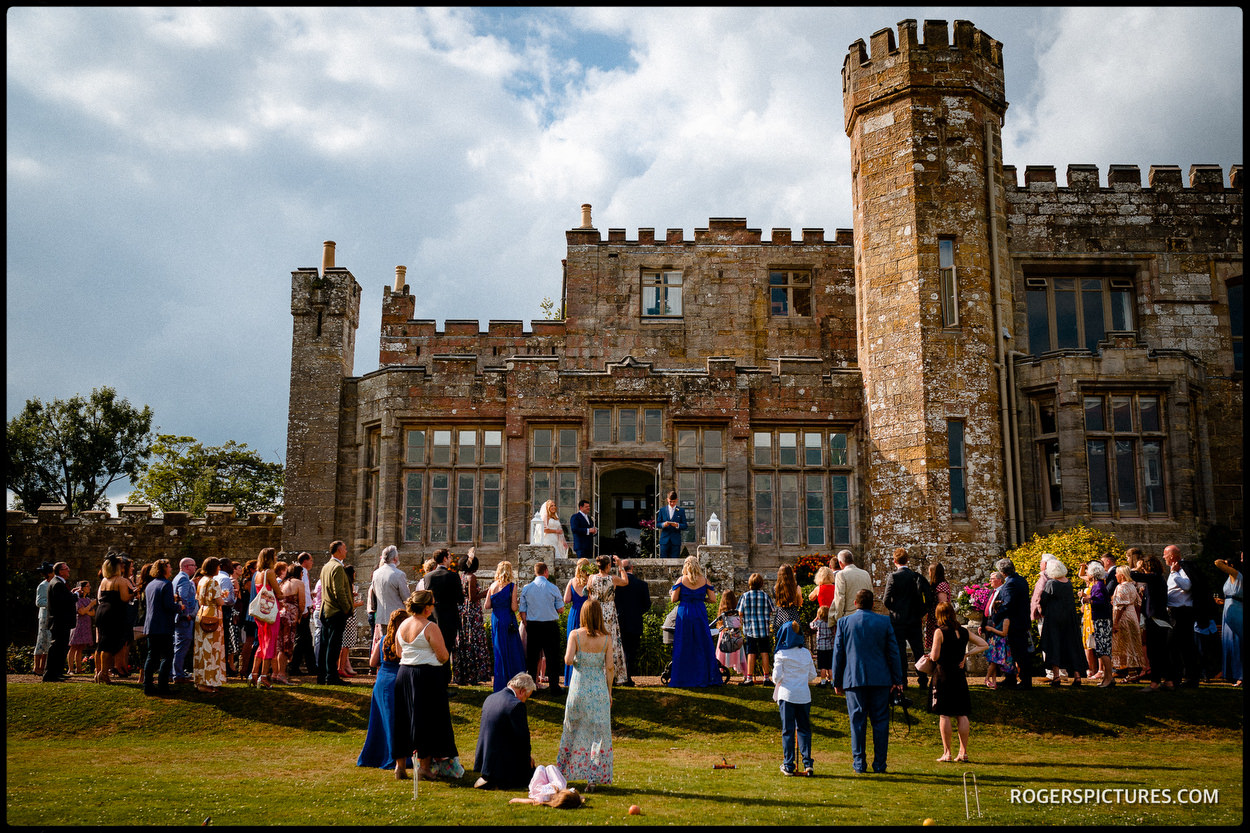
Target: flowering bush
1074 547
646 538
972 599
805 568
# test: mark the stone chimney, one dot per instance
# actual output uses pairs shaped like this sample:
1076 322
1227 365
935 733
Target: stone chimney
586 216
401 277
327 256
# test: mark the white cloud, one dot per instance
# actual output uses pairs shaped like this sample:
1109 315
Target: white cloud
174 166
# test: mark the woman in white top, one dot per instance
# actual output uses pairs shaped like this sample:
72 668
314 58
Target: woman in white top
553 530
421 718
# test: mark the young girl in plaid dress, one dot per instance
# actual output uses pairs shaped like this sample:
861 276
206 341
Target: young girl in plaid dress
824 647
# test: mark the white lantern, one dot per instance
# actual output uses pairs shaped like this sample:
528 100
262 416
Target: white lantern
713 531
536 528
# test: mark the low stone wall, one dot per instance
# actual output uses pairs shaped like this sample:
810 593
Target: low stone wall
82 541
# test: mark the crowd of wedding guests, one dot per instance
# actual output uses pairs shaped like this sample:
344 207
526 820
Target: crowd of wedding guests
1148 618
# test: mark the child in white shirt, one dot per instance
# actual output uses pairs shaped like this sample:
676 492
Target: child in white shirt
793 673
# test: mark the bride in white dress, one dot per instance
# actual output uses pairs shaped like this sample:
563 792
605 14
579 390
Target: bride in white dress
553 530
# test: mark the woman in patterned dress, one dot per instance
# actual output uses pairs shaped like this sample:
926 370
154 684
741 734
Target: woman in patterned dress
942 590
80 641
351 634
1126 649
209 657
996 626
1099 604
472 663
602 588
290 603
789 599
586 739
234 622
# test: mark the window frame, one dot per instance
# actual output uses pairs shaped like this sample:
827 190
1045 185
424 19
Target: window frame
563 474
693 474
961 466
658 281
801 491
1111 436
789 287
948 283
1117 291
422 463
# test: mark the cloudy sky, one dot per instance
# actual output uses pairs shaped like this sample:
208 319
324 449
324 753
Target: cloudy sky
167 169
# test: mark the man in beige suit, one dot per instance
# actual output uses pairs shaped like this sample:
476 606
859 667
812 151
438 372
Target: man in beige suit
846 583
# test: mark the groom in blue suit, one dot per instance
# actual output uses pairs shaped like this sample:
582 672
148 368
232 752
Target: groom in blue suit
583 529
671 521
867 666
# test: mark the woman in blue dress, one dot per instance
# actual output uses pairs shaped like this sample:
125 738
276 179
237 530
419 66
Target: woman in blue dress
575 597
694 655
1231 632
504 633
377 748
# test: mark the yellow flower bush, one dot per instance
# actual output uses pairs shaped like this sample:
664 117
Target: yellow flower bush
1074 547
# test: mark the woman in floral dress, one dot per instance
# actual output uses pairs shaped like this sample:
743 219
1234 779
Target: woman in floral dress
81 640
290 603
586 739
209 658
602 588
942 590
1126 650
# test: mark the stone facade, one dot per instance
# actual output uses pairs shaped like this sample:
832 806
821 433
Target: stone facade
978 361
82 541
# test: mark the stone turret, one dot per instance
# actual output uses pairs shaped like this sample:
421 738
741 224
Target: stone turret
325 306
924 120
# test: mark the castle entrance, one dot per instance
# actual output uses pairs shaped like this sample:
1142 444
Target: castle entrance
625 496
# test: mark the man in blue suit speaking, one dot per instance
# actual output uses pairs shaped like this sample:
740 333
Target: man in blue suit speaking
867 667
671 521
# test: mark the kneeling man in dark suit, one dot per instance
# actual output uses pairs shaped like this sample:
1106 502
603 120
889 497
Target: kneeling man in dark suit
867 665
503 756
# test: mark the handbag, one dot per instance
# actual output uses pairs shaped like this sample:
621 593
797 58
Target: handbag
924 665
730 641
264 606
208 624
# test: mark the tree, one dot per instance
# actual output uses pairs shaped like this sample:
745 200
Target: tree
185 475
551 312
71 451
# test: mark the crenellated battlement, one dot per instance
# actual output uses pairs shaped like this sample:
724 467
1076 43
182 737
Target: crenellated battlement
720 231
972 63
420 342
1202 178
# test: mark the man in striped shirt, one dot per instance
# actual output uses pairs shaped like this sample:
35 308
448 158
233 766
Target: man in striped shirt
757 613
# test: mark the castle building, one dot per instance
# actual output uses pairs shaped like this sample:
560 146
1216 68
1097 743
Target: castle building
979 360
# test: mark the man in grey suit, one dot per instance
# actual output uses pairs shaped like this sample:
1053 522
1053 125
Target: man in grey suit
867 667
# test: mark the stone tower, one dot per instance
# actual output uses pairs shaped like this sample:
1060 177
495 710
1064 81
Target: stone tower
325 306
931 269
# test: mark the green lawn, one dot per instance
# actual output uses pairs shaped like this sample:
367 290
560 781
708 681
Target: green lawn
86 754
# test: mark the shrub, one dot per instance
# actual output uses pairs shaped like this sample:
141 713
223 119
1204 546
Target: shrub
805 568
21 659
807 611
1074 547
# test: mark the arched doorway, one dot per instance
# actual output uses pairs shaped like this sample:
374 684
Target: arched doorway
624 496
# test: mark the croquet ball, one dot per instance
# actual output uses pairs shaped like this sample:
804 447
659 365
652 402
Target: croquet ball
635 810
929 823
